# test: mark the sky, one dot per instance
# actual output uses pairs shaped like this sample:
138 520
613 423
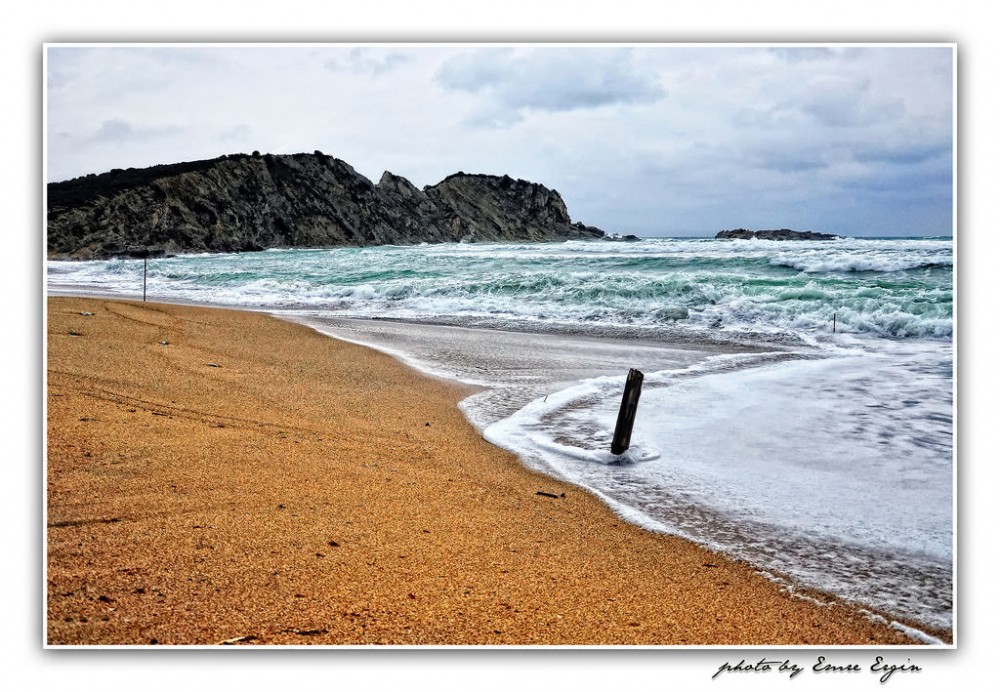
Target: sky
656 140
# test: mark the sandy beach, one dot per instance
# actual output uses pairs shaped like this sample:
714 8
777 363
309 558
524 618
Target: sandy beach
224 477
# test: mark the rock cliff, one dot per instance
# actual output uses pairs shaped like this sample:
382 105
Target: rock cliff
246 202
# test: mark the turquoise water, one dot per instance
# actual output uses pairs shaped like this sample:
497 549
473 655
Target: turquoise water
894 288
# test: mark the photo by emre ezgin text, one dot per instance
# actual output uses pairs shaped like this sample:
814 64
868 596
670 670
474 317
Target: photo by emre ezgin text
879 666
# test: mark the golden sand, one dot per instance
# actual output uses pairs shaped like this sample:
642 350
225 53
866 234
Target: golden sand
218 476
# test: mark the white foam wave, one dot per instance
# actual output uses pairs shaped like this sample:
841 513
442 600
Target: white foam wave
816 264
819 457
705 285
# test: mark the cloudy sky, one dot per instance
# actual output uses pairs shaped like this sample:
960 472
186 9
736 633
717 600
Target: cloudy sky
652 140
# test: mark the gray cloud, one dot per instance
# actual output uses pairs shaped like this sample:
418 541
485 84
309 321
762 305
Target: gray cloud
118 130
846 101
796 54
550 80
907 154
904 182
789 159
367 61
115 130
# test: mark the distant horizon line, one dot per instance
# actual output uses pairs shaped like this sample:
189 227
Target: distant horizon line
843 235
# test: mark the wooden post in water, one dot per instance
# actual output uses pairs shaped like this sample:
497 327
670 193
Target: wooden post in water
626 414
144 260
834 323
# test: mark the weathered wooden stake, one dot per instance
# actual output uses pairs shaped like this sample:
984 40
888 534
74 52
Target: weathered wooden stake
834 323
144 260
626 414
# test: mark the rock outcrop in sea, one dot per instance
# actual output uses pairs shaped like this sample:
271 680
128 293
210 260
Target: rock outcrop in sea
778 234
247 202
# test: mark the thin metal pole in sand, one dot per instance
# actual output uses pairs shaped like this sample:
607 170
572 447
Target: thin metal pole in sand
626 414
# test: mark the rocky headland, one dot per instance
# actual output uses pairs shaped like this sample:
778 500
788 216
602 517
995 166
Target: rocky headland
778 234
249 202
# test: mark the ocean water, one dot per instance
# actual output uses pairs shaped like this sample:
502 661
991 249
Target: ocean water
797 409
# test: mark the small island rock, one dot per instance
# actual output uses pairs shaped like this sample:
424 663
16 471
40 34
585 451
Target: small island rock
779 234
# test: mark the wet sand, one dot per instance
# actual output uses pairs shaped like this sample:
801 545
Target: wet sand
218 476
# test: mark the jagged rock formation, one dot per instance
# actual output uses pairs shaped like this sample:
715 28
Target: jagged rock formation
779 234
246 202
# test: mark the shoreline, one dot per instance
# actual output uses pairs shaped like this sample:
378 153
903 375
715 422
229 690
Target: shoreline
367 534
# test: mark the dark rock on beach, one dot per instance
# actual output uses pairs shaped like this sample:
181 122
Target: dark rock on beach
241 202
779 234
